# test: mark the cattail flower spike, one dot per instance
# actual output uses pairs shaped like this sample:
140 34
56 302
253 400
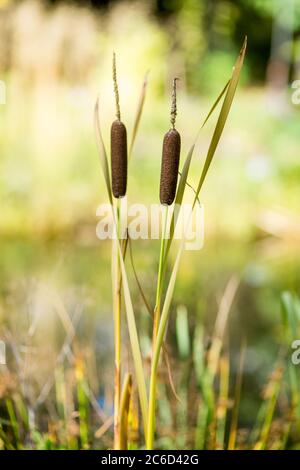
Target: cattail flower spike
170 157
116 89
118 145
174 104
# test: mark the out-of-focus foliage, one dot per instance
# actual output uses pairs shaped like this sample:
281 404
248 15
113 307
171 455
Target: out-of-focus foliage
196 30
200 27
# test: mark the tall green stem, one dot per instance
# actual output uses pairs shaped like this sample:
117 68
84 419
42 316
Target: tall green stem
160 275
155 358
116 279
157 349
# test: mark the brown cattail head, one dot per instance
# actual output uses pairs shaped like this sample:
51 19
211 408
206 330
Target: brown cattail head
118 159
170 157
169 166
118 141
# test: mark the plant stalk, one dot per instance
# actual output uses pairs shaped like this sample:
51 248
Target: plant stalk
117 334
155 350
160 276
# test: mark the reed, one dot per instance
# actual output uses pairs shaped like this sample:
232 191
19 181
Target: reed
170 191
168 184
118 185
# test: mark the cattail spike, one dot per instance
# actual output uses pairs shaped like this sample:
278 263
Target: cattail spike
169 167
170 157
118 142
174 104
116 90
118 158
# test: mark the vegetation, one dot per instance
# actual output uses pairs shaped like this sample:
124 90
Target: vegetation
235 309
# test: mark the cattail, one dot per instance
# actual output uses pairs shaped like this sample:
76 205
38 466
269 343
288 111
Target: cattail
170 157
118 159
118 146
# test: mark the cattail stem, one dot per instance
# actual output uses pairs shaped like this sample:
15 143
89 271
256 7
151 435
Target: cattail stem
152 392
168 184
152 406
119 184
160 274
117 332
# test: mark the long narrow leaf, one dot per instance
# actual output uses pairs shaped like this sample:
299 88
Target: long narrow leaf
269 407
134 340
223 116
124 411
167 304
221 413
158 345
102 151
237 399
138 114
184 174
178 199
148 308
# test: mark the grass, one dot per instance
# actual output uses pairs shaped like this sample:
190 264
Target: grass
69 418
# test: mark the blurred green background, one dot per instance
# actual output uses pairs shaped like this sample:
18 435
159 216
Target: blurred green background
55 59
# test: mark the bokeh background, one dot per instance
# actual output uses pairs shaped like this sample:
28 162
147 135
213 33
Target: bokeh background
55 298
